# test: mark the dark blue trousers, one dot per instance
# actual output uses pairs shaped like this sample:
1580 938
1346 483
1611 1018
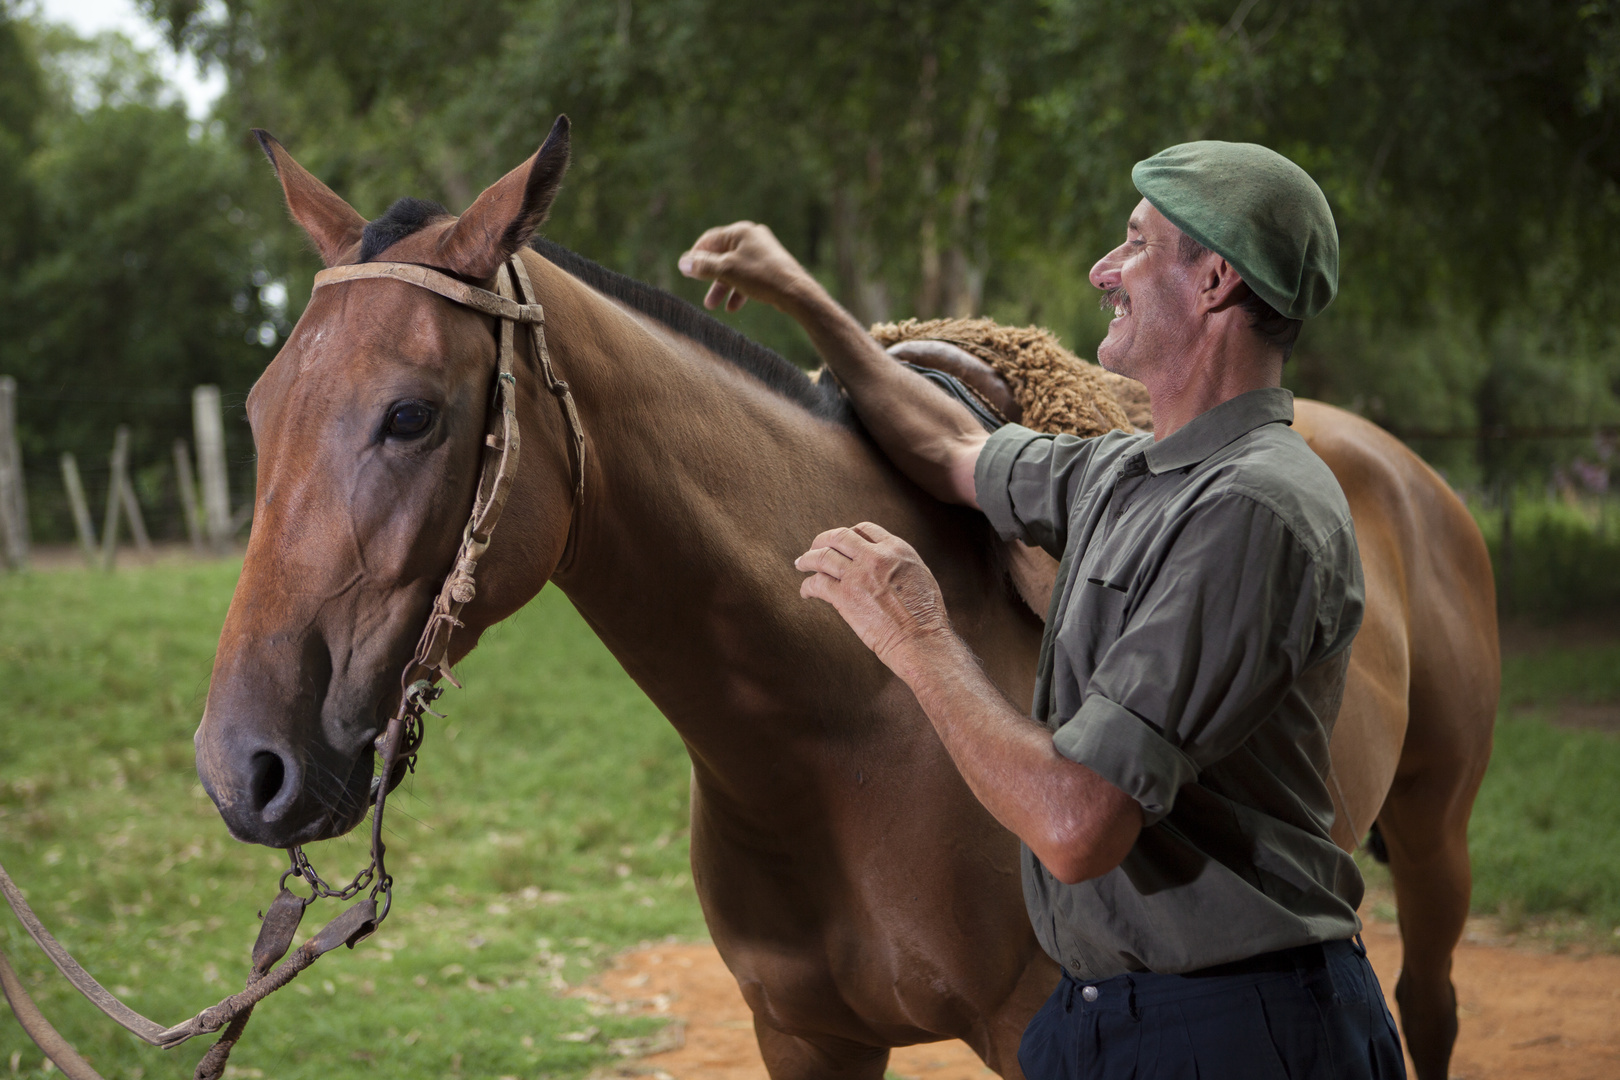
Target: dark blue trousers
1299 1014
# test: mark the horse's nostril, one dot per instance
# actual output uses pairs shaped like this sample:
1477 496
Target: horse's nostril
267 774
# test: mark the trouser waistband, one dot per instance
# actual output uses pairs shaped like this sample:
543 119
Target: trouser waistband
1140 988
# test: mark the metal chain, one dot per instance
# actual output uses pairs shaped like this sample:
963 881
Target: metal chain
418 699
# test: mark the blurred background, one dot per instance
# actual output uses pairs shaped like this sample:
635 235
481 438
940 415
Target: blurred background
924 158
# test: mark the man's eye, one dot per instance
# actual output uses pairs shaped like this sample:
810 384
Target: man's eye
409 420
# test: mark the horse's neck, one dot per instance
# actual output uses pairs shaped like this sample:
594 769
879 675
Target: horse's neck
704 485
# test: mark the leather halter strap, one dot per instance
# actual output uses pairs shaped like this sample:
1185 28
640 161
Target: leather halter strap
512 304
501 305
425 277
501 440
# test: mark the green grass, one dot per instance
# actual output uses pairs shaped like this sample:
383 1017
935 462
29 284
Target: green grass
545 831
1545 835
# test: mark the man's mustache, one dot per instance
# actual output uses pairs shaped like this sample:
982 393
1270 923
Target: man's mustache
1115 297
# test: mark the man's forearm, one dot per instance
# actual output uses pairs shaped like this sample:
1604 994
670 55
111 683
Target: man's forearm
931 438
1078 824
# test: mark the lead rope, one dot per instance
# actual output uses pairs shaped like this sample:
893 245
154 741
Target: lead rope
398 744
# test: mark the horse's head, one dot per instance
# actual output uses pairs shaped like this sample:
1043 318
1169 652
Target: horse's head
369 428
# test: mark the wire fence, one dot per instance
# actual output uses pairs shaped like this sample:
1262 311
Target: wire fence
1547 497
102 501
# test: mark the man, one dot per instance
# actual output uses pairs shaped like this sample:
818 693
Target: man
1171 790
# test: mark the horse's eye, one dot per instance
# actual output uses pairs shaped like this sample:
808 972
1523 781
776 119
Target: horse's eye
409 420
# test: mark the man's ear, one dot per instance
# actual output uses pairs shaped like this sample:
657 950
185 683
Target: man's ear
1221 286
505 216
331 223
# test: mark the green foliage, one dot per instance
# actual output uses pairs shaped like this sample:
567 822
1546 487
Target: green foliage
131 267
545 830
869 142
923 156
940 157
1463 148
22 94
1559 559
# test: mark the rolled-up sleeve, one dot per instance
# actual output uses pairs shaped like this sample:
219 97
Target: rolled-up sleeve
1026 481
1128 752
1209 647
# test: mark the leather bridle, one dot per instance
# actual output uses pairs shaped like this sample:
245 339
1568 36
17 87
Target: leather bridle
511 304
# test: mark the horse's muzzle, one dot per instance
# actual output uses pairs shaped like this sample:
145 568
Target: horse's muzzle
280 797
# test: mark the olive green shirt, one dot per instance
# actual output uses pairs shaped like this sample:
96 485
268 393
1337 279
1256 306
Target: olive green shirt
1194 656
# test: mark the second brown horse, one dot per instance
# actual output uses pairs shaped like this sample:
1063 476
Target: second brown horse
859 893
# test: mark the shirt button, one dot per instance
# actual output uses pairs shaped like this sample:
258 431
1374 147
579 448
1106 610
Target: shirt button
1089 993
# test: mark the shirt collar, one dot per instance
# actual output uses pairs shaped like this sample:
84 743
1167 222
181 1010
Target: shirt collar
1212 430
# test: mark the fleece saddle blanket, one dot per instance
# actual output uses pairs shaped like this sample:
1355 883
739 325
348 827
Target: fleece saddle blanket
1057 391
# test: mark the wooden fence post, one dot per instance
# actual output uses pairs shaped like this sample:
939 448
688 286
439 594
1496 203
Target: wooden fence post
115 492
13 485
137 523
188 493
81 507
209 424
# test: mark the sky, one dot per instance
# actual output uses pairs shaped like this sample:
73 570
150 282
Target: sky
92 16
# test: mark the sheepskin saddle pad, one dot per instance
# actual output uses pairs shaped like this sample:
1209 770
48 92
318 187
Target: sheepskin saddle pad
1054 389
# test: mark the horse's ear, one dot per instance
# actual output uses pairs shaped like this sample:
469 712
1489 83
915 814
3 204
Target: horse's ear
503 218
333 224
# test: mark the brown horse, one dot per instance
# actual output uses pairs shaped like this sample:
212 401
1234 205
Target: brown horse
859 893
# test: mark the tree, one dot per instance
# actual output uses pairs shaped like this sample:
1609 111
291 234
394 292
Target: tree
930 157
135 275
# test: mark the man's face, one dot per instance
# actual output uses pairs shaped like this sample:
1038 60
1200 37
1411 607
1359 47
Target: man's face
1151 292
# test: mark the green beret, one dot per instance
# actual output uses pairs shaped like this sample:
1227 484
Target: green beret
1257 210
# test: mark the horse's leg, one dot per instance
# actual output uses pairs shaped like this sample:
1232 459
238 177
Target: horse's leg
1424 822
1005 1029
792 1057
1428 858
1456 669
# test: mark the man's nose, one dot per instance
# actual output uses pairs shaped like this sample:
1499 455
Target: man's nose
1105 272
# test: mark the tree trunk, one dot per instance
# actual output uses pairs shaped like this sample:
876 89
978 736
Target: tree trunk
926 304
864 297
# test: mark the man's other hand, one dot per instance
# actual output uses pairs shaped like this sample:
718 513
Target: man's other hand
745 260
878 583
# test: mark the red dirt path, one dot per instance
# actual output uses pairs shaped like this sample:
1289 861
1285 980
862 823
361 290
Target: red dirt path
1523 1013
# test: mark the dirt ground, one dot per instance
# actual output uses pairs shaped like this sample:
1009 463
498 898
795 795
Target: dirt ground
1523 1013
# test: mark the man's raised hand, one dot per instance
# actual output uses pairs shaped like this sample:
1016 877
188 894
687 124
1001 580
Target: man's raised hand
745 260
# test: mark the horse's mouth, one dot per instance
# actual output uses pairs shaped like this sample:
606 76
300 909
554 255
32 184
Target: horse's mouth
358 796
355 800
344 812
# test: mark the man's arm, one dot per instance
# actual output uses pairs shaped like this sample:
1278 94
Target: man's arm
931 438
1078 824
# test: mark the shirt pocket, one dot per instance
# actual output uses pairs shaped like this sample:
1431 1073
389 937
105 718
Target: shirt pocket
1104 604
1096 620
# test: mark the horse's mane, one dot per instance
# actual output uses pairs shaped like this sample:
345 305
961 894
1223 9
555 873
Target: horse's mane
823 399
